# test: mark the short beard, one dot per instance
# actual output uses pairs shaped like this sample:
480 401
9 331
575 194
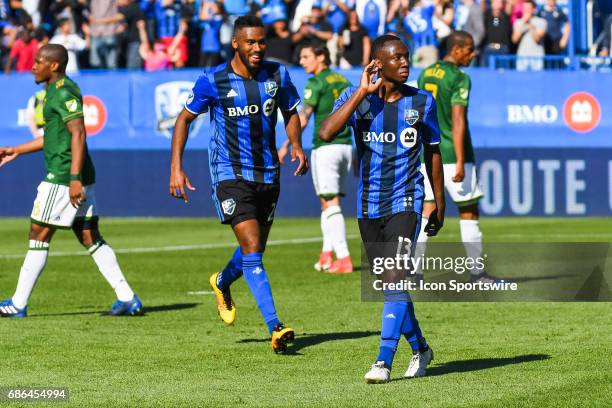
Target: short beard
245 60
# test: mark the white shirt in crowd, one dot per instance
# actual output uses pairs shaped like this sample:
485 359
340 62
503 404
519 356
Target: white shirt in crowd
73 44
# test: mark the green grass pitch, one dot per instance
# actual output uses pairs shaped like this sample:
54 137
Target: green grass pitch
180 354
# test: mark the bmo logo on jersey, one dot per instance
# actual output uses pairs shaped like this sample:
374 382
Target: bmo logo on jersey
268 109
243 111
408 137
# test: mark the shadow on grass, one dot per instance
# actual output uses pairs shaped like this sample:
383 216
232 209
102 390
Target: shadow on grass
463 366
307 340
146 310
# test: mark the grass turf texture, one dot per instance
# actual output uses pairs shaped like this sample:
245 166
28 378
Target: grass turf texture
180 354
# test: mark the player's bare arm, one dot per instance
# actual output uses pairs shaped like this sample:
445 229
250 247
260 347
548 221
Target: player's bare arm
338 119
178 178
459 129
435 174
76 127
8 154
305 114
294 135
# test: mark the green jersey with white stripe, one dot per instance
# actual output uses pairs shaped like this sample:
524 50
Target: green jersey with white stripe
63 103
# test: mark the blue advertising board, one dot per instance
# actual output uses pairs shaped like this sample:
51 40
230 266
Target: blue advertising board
543 143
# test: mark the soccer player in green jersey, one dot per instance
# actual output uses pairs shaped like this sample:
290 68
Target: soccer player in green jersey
451 88
331 162
66 197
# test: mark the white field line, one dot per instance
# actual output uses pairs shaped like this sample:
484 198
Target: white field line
172 248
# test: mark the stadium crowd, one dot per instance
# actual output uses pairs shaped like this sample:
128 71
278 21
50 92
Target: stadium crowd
162 34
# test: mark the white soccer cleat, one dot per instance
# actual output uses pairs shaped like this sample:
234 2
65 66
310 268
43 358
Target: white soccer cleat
378 374
418 364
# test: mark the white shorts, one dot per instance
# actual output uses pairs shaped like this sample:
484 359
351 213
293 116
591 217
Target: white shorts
52 206
465 193
330 165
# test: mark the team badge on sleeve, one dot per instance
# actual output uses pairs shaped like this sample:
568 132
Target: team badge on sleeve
72 105
271 88
411 116
463 93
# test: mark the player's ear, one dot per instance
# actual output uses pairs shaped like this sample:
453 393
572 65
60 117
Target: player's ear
234 42
54 66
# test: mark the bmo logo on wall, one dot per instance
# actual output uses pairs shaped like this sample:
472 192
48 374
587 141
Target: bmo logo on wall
94 112
582 112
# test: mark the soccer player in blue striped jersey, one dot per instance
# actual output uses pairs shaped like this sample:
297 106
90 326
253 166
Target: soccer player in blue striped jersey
243 96
393 124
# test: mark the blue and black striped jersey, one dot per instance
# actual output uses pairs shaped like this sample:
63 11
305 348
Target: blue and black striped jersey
167 18
389 139
243 115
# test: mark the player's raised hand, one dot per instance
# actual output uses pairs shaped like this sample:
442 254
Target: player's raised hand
178 182
7 155
459 173
367 78
435 222
298 154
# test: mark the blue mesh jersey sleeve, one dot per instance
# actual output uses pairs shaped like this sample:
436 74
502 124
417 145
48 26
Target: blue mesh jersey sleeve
289 98
432 129
201 97
341 100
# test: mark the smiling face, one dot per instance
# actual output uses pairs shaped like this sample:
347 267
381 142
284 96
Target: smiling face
394 61
250 45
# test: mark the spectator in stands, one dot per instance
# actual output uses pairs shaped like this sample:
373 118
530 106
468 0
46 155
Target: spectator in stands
135 34
103 48
74 10
473 23
22 52
314 29
528 33
354 43
148 8
557 29
169 15
211 19
498 32
419 24
372 14
31 8
271 10
279 44
161 57
514 8
336 12
606 43
74 43
443 19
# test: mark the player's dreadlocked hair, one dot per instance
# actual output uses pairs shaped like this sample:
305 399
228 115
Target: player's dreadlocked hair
380 42
458 39
247 21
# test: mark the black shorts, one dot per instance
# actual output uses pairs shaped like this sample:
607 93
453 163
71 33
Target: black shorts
390 235
241 200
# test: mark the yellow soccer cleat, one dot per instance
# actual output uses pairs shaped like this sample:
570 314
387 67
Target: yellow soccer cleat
225 305
281 337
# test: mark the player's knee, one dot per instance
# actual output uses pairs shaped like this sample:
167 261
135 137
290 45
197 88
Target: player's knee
469 212
40 233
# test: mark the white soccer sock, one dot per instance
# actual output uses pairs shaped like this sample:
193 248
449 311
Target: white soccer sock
327 242
419 252
33 265
337 230
105 258
472 241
